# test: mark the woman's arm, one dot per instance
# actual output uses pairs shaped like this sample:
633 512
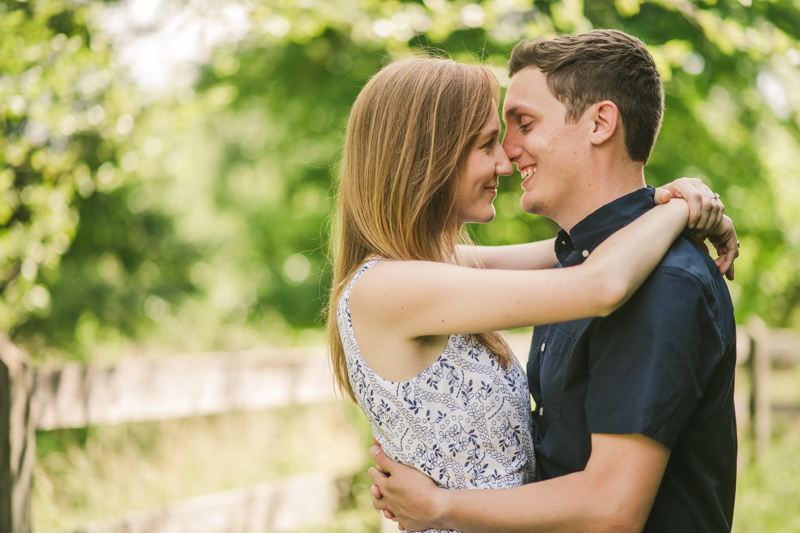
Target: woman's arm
541 254
411 299
527 256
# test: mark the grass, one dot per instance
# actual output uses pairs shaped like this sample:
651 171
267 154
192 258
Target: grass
92 473
768 494
99 472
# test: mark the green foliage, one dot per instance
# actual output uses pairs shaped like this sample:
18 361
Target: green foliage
207 228
62 115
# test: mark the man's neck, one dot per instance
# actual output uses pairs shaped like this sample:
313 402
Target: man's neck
599 191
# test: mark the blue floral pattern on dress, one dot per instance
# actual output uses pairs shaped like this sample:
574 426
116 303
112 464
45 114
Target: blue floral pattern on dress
465 421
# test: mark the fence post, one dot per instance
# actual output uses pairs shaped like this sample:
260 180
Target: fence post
17 438
761 408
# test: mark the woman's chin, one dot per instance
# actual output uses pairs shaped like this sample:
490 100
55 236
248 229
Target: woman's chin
483 218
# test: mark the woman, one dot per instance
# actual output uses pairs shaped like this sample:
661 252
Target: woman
413 330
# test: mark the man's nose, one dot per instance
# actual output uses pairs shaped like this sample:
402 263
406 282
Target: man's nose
510 147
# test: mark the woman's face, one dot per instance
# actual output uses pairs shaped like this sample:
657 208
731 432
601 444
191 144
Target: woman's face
477 186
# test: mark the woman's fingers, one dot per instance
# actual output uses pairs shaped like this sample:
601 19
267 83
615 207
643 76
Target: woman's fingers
704 206
729 273
724 240
695 201
728 254
662 196
377 477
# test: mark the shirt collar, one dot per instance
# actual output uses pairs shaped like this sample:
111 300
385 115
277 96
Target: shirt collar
574 247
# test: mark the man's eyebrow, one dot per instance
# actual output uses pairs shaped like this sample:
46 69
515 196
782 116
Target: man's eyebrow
512 112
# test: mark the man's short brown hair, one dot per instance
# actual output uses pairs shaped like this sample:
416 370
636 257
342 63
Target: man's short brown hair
601 65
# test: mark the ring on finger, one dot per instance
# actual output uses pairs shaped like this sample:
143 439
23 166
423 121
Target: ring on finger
716 196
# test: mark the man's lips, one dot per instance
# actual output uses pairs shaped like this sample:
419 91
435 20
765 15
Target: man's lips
527 172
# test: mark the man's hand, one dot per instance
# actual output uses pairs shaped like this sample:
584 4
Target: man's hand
706 219
403 493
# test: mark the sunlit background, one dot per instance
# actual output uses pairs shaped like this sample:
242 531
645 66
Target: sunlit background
166 181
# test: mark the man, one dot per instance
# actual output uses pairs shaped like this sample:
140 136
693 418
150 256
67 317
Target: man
634 427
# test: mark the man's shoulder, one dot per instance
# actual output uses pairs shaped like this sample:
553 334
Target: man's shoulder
686 263
686 287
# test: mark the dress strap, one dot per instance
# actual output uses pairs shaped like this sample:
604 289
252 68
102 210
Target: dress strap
361 270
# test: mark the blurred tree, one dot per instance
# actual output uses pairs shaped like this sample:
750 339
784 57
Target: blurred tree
208 225
60 114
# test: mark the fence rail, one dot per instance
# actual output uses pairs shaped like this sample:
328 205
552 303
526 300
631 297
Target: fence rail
141 389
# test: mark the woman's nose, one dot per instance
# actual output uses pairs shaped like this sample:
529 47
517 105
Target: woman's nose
511 148
503 165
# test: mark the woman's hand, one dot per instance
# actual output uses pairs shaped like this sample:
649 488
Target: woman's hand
404 494
723 237
705 207
706 219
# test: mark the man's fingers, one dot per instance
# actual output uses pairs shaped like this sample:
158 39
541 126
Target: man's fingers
375 490
388 514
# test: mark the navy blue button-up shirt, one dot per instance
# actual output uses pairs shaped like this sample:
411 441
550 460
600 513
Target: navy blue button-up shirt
662 366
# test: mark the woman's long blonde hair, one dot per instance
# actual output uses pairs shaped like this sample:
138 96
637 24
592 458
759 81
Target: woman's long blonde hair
408 137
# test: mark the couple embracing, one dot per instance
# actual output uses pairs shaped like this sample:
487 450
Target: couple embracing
632 360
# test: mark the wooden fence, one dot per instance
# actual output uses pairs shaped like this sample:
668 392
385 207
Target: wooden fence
134 390
140 389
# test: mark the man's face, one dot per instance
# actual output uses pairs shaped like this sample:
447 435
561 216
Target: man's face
551 153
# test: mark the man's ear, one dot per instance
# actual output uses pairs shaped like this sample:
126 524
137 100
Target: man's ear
605 116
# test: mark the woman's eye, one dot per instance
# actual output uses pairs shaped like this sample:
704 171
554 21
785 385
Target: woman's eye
526 126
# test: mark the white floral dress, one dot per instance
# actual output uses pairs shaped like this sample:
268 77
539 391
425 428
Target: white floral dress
465 421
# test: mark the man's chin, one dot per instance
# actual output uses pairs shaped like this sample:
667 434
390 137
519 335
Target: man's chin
531 206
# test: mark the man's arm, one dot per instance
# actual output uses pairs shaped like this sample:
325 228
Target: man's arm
614 493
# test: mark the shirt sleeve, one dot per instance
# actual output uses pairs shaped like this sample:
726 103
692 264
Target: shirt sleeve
651 360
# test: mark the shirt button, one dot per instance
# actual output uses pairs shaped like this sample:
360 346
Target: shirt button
585 253
541 411
543 345
564 242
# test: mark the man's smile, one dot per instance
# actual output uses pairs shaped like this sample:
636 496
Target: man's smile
527 173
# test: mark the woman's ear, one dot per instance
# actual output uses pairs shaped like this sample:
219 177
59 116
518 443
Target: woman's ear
605 116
